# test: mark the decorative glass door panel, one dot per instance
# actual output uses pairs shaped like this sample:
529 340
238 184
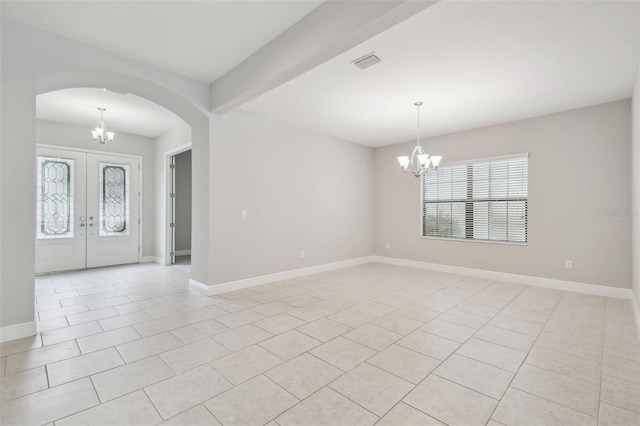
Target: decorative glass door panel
60 210
115 216
55 197
87 210
113 210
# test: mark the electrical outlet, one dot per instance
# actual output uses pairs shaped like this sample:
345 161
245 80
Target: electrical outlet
568 264
243 214
388 246
301 253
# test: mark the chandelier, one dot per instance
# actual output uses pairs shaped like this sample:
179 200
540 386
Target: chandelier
419 162
100 133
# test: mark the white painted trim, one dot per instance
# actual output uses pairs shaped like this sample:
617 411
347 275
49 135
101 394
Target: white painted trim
149 259
140 183
141 220
598 290
179 149
285 275
89 151
18 331
167 200
199 287
183 252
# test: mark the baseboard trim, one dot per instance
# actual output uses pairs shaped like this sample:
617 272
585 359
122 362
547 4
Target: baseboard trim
152 259
183 252
18 331
285 275
198 286
598 290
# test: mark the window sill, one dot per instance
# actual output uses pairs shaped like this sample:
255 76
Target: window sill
508 243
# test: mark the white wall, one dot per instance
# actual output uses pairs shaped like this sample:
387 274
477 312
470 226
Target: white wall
183 201
316 195
579 167
53 133
635 213
301 191
169 141
17 192
34 62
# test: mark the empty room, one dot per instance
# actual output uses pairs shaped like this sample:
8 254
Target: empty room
320 213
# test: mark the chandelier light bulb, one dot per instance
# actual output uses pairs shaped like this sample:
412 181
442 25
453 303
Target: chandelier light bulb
404 162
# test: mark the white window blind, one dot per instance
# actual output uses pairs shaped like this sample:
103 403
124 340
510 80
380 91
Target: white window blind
482 200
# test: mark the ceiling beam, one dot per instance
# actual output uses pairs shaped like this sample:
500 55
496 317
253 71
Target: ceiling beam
329 30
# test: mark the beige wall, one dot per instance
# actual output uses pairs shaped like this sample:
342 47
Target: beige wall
54 133
301 191
635 160
579 167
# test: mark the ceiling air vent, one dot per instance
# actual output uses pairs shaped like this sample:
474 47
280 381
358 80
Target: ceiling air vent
367 60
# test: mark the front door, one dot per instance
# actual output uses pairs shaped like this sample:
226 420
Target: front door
87 210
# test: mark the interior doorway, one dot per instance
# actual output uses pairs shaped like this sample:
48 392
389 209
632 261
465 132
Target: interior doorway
180 217
87 209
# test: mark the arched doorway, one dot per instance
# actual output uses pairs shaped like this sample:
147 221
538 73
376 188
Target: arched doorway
195 117
18 180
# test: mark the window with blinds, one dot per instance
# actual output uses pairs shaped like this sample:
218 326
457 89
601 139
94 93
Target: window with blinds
483 200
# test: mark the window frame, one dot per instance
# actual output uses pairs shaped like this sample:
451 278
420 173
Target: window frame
472 240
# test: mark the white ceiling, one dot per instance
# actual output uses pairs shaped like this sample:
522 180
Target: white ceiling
126 113
473 64
198 39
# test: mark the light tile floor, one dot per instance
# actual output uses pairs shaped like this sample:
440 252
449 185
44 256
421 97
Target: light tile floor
358 346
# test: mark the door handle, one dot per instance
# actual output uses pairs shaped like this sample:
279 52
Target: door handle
91 225
82 225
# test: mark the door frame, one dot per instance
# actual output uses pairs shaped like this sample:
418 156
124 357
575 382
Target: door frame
140 183
166 256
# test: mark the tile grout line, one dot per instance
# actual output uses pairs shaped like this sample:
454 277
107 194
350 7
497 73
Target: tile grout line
154 405
435 374
527 355
336 391
361 277
343 373
432 372
401 400
557 403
